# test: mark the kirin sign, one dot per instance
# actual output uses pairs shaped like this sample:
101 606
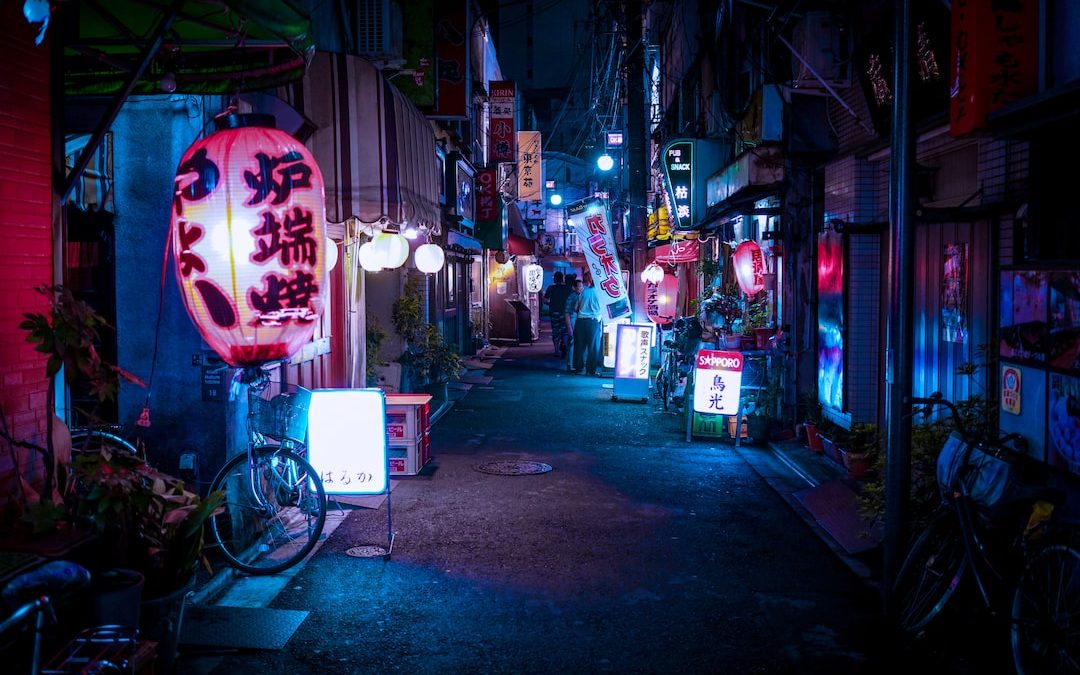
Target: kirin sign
248 236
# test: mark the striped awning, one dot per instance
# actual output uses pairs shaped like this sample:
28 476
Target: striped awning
375 149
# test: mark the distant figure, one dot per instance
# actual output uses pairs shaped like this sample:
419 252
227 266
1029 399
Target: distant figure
588 327
571 314
555 296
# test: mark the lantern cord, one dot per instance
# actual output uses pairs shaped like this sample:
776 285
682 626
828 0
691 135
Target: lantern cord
157 324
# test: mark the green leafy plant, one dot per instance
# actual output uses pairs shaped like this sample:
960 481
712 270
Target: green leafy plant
434 359
375 336
406 314
154 523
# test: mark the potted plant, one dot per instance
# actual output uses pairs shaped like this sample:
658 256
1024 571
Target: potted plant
435 361
812 420
860 449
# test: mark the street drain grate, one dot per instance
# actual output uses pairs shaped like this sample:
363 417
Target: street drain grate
367 551
513 468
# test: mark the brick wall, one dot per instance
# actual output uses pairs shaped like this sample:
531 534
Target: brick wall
26 224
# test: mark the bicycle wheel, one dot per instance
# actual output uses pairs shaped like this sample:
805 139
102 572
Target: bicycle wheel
93 440
269 526
662 385
930 573
1046 611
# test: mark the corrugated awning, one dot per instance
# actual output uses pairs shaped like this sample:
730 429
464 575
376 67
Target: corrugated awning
375 149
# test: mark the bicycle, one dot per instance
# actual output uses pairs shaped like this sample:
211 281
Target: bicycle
275 505
995 520
676 361
30 594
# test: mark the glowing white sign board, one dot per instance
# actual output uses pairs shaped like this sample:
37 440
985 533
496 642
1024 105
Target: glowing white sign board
717 381
347 440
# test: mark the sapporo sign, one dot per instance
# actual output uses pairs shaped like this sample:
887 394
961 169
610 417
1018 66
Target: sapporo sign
717 382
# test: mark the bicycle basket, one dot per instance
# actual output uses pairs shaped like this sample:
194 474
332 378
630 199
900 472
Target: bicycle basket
987 480
284 416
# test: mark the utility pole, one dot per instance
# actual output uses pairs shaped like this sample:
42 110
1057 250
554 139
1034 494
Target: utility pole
636 130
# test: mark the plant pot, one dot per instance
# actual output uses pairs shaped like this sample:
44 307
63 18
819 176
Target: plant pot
761 337
858 464
832 450
161 621
116 595
747 342
813 438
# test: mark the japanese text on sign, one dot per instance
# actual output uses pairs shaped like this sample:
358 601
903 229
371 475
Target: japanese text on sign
589 221
678 170
718 382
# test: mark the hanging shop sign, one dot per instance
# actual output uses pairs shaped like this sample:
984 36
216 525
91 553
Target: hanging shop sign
749 263
502 130
589 220
679 175
452 60
658 226
347 440
248 236
717 382
530 170
680 250
995 59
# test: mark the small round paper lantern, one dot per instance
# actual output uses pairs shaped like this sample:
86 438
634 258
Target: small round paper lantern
429 258
369 257
393 248
749 265
652 273
534 278
248 236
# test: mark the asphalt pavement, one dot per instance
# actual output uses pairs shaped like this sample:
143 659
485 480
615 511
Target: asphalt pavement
638 552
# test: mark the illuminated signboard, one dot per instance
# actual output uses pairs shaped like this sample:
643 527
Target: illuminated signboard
502 130
679 174
614 139
633 352
589 221
347 440
717 382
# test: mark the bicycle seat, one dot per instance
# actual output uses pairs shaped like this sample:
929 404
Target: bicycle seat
56 578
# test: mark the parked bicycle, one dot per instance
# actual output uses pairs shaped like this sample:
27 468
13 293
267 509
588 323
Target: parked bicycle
275 505
996 525
677 360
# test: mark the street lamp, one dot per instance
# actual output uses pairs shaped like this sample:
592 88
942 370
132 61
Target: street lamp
555 199
605 162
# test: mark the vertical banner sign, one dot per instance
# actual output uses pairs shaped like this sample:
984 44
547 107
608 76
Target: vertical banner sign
1010 389
590 222
452 60
347 440
502 129
995 59
487 197
679 173
718 382
530 177
418 48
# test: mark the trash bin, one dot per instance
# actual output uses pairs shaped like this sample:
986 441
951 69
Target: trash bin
524 321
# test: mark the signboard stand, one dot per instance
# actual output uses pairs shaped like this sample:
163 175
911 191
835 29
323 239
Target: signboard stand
633 351
348 447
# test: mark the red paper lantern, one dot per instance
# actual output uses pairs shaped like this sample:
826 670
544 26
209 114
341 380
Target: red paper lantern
661 299
749 267
248 234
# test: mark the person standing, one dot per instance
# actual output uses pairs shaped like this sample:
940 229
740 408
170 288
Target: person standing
555 296
571 315
587 328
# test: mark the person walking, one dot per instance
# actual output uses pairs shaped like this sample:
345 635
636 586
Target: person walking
555 296
588 327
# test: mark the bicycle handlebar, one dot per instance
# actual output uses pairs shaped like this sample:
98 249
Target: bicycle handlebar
1018 442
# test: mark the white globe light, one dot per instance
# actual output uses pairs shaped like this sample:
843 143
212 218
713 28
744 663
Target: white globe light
556 199
369 257
653 273
393 248
605 162
429 258
331 254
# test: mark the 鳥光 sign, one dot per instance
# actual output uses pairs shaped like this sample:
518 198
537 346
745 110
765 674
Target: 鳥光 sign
589 220
717 382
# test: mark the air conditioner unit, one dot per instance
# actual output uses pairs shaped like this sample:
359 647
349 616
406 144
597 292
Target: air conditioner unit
822 42
378 32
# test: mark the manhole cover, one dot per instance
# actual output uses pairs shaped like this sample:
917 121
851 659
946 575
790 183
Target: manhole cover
513 468
366 551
